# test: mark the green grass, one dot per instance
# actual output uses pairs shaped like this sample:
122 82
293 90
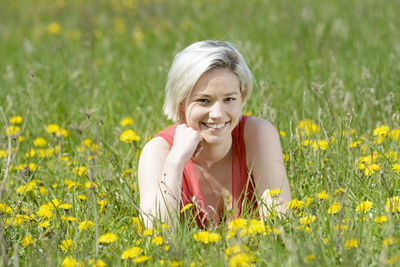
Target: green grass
336 63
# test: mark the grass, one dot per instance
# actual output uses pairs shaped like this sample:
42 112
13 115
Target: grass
335 63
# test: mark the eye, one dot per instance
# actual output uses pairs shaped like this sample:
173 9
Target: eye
230 99
202 100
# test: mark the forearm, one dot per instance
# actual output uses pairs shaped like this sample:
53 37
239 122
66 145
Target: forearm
170 186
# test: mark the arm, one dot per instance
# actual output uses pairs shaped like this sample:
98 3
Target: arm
264 157
160 175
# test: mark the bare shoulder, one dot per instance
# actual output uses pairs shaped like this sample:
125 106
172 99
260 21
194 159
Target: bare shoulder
257 127
156 148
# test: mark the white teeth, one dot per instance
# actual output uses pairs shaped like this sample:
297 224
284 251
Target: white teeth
215 126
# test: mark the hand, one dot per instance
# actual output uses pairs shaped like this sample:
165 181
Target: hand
187 143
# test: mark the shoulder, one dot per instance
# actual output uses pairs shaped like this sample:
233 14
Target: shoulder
255 127
157 148
261 140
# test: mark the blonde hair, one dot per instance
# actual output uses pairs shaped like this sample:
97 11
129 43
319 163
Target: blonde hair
195 60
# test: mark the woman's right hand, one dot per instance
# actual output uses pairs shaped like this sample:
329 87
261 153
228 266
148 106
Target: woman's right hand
187 143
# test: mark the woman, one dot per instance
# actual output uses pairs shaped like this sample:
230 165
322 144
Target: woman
213 157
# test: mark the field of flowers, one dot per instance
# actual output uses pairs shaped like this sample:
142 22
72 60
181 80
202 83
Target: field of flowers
81 91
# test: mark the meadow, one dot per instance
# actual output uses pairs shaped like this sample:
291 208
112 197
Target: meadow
81 92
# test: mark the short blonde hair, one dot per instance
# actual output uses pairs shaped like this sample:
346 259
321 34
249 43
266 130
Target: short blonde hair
195 60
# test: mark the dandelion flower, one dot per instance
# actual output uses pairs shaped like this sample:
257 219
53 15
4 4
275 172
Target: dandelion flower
240 259
320 144
131 253
388 241
394 134
396 168
69 262
393 204
126 121
12 130
66 245
26 241
157 240
40 141
98 263
207 237
295 204
351 243
129 136
323 195
85 225
308 219
141 259
307 127
186 207
80 170
364 206
371 169
309 258
274 192
16 119
54 28
107 238
381 219
381 130
334 208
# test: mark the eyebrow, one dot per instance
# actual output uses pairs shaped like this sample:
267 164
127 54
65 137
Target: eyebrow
206 95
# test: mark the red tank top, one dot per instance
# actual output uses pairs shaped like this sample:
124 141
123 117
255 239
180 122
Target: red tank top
242 182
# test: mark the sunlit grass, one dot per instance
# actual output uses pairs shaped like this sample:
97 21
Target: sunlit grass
82 90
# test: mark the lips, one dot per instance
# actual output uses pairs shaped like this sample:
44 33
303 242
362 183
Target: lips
215 126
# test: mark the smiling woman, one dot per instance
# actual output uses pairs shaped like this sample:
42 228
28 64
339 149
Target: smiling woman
214 158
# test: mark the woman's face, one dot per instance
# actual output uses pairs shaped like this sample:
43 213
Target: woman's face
215 105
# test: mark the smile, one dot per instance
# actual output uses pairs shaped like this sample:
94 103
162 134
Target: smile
214 125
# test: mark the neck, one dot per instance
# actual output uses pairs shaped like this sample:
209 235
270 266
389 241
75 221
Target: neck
212 154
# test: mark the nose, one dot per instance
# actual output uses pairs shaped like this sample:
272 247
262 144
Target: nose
216 110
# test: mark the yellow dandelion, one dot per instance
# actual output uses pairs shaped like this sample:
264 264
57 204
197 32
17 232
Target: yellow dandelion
136 224
237 224
45 211
381 219
364 206
141 259
240 259
393 260
65 206
80 170
44 224
274 192
207 237
186 207
282 133
323 195
396 168
381 130
26 241
393 204
54 28
107 238
131 253
16 119
351 243
129 136
98 263
70 262
40 141
307 127
308 219
52 128
371 169
66 245
126 121
85 225
12 130
389 241
309 258
394 134
320 144
157 240
295 204
334 208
